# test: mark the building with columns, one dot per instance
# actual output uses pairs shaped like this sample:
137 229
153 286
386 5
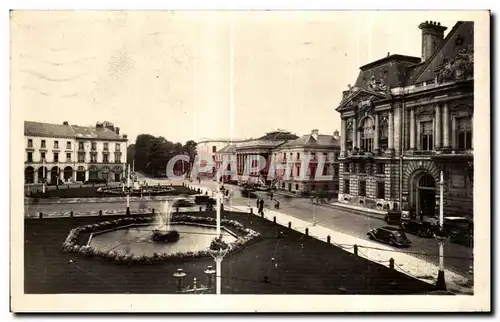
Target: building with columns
62 153
313 146
248 152
405 120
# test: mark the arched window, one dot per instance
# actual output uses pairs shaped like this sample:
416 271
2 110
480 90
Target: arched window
349 135
367 135
384 135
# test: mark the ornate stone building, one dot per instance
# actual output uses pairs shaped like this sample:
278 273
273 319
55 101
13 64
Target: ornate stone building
405 120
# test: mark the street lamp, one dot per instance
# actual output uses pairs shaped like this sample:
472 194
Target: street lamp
441 237
210 272
179 275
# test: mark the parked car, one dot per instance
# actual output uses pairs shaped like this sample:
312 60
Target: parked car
391 235
393 217
454 225
183 203
204 200
423 229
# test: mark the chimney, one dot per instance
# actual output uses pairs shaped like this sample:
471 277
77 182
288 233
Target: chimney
117 130
336 135
432 37
314 134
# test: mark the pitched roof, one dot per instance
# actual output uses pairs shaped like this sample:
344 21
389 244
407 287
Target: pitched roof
48 130
231 148
323 141
88 132
390 69
70 131
461 36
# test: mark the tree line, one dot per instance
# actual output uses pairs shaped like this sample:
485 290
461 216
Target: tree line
151 154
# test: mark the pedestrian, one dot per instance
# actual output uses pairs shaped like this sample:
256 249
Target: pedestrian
258 203
421 215
271 195
261 207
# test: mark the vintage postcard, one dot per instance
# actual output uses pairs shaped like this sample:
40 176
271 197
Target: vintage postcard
250 161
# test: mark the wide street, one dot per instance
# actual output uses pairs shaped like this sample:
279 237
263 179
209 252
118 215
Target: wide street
457 257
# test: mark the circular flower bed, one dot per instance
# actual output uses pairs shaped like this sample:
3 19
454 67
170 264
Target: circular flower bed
70 245
153 190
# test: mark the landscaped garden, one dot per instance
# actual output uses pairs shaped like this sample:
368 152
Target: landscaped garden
277 261
115 191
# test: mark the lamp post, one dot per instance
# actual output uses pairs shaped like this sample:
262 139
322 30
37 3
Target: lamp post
210 272
128 186
441 237
218 254
179 275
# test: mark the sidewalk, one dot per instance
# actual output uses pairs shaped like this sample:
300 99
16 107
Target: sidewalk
372 251
376 252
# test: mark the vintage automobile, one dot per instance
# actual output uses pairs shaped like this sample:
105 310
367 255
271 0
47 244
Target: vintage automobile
423 229
204 200
181 203
391 235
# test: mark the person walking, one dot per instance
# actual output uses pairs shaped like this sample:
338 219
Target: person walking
261 207
271 195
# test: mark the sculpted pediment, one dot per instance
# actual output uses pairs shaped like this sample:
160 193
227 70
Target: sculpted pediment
361 99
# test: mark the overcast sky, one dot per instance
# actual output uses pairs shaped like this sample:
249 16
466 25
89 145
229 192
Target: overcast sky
192 75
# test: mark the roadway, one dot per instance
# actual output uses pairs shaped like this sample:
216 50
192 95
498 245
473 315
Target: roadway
457 257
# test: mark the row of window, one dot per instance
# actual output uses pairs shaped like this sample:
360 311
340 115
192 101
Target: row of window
463 135
350 167
380 188
313 155
81 157
43 145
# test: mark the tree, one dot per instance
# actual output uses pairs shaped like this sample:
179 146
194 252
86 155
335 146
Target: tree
152 154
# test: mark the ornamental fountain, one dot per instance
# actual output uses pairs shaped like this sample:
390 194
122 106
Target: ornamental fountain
163 233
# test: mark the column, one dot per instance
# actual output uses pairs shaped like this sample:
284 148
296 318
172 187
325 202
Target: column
354 133
35 176
343 137
446 126
74 175
453 134
437 128
412 129
391 131
86 174
376 136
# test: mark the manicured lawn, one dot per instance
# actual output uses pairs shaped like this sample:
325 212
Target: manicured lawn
91 192
304 266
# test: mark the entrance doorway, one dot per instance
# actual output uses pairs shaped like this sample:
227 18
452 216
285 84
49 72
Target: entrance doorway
426 196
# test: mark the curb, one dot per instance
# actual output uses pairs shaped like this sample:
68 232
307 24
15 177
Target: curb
357 212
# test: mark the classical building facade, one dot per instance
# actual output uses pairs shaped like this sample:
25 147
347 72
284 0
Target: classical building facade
248 153
315 147
206 150
59 153
405 120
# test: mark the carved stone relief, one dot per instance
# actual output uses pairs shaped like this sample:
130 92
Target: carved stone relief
425 110
458 67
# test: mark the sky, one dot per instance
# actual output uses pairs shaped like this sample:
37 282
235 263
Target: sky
188 75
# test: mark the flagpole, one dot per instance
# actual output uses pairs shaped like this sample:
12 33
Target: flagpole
128 186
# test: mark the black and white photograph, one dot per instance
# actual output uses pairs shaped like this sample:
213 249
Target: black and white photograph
296 159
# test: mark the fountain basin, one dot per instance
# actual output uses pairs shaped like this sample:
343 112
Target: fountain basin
128 240
137 239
